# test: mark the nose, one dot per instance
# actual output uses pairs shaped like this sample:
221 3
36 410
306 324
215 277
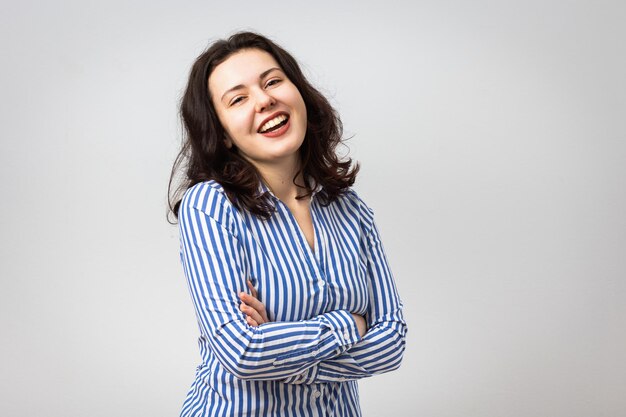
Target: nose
263 101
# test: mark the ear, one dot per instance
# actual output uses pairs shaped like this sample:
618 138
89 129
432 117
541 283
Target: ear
228 142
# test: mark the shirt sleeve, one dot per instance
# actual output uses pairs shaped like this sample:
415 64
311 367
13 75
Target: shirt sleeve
381 349
213 260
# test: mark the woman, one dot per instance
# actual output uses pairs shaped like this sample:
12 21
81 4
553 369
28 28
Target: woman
291 287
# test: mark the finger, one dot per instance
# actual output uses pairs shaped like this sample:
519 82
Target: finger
253 314
251 321
255 304
252 289
249 311
251 301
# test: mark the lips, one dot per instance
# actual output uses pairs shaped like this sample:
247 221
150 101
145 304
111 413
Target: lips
273 122
278 131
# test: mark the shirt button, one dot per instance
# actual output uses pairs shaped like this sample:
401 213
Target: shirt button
322 284
317 394
346 335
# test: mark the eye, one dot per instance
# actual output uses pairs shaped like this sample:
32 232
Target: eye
272 82
236 100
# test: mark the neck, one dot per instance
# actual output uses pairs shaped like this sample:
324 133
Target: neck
279 178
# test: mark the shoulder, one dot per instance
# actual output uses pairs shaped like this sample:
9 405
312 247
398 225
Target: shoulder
209 198
354 204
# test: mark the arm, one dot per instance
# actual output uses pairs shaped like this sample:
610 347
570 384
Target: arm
213 260
381 348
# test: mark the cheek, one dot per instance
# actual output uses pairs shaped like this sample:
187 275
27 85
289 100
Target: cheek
302 107
304 115
237 123
295 101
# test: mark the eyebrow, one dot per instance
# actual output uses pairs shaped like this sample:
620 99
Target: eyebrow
261 76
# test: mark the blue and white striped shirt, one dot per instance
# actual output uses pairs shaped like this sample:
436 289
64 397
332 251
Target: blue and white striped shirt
306 361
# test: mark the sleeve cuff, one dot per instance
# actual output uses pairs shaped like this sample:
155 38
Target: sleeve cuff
344 328
306 377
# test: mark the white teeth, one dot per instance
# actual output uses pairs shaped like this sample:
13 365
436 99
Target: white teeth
270 124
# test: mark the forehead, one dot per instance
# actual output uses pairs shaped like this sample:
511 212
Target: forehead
241 68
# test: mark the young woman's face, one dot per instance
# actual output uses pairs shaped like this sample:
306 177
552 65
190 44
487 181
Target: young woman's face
261 110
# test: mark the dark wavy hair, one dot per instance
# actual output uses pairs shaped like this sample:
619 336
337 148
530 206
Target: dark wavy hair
204 155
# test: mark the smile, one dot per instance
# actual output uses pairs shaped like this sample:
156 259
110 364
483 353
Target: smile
274 124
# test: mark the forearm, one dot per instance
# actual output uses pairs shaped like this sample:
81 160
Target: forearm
379 351
282 349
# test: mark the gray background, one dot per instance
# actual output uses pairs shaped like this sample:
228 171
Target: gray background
492 140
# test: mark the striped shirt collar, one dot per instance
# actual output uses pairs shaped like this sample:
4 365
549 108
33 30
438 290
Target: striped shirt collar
263 188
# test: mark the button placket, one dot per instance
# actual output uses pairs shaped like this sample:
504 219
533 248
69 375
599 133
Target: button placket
310 257
318 234
297 230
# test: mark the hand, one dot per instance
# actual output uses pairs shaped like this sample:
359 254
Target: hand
360 324
252 307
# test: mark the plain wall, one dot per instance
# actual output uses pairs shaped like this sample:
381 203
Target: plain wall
492 138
